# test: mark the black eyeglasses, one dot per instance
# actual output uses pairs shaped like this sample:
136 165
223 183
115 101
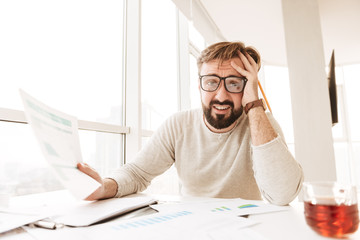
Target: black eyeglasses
210 83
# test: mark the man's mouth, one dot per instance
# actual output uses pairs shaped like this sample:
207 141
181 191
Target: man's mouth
221 107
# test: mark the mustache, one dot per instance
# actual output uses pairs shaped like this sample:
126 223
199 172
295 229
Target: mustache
226 102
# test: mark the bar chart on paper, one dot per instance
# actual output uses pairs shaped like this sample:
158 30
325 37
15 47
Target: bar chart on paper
236 207
224 208
220 209
179 224
144 222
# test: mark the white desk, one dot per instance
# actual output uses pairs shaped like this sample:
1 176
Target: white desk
273 226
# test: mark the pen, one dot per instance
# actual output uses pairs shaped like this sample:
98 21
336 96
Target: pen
263 93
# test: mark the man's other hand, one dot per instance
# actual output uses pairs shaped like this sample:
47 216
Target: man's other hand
108 186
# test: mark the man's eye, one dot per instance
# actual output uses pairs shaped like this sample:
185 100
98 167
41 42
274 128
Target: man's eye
211 82
233 83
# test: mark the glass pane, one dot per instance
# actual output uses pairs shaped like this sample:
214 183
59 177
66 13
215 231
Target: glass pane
26 171
158 62
352 98
195 99
65 53
277 90
102 151
195 37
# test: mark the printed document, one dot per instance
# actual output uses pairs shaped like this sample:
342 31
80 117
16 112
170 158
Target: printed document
57 135
235 206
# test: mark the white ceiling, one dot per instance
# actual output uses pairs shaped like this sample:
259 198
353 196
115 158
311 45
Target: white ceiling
260 23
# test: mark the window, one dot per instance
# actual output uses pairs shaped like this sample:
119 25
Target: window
194 84
67 54
276 87
83 58
158 62
159 76
348 101
195 38
196 45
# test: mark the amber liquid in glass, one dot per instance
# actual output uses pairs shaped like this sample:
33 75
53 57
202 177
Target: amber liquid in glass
332 220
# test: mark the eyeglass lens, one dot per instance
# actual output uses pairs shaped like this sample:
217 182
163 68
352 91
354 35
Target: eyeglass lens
232 84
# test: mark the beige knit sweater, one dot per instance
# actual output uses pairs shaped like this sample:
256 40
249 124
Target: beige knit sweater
209 164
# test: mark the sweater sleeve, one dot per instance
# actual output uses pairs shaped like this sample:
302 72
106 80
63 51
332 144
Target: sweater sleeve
278 175
152 160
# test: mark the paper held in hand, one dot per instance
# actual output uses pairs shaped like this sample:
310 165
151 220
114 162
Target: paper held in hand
57 135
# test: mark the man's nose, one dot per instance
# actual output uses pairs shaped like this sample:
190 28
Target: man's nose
221 93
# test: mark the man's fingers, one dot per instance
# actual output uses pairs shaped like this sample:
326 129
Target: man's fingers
248 61
85 168
238 68
98 193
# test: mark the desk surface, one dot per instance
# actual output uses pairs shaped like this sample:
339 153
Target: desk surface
287 225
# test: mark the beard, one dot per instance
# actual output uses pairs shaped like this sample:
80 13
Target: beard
220 121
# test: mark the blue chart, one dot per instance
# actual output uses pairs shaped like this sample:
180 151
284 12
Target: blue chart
247 206
221 209
150 220
224 209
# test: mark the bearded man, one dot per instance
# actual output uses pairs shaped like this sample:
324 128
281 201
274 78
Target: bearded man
231 148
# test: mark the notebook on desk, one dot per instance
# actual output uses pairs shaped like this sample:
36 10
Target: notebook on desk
88 213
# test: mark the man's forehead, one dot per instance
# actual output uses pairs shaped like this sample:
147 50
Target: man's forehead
224 65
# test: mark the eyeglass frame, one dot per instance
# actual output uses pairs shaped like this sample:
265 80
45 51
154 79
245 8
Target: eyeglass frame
222 78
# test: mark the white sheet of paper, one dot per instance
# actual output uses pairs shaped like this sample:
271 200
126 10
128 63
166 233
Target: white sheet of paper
10 220
237 207
176 225
243 233
58 234
170 225
86 213
57 134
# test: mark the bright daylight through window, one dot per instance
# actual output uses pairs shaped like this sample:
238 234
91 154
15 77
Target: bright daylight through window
67 54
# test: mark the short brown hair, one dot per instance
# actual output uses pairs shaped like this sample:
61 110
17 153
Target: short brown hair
223 51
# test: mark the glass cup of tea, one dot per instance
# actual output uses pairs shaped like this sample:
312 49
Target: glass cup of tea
331 208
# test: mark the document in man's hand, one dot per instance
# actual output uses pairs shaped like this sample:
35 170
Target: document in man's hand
88 213
57 134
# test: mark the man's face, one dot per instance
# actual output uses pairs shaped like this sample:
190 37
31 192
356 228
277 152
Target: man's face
221 108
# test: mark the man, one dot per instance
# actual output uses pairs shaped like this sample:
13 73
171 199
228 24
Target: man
229 149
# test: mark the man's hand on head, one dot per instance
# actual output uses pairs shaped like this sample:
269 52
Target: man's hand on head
250 71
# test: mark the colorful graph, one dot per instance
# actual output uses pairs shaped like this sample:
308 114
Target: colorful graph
247 206
150 220
221 209
224 209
